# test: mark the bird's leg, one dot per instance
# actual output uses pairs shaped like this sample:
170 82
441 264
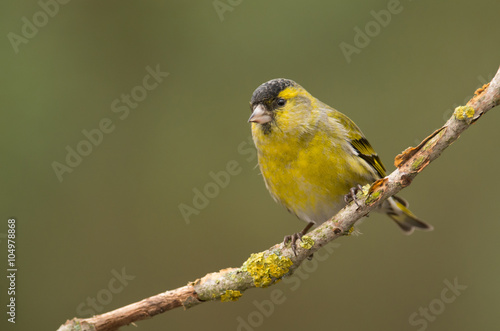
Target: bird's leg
351 196
297 236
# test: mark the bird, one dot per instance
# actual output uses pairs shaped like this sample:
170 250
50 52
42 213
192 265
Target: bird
313 157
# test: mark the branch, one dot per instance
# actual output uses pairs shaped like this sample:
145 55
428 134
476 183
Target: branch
266 268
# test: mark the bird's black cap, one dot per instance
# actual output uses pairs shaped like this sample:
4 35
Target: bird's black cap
270 90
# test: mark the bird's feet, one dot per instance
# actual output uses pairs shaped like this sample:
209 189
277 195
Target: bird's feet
293 241
296 236
352 195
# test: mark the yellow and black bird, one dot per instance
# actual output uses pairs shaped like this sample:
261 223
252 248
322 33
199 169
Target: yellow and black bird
312 155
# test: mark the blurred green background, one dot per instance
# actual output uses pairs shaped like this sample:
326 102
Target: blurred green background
118 210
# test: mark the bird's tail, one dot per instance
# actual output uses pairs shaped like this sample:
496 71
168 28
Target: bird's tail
404 218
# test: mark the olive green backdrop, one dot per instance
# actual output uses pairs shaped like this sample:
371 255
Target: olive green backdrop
111 232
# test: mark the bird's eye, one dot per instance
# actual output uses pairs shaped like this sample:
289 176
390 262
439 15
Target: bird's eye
280 102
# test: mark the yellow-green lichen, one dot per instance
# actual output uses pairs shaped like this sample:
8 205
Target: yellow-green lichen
372 198
265 270
418 162
350 231
463 112
230 295
364 191
306 242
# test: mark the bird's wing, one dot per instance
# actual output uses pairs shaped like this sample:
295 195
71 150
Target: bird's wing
366 152
359 142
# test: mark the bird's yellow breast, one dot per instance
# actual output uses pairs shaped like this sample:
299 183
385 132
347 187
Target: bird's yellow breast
307 172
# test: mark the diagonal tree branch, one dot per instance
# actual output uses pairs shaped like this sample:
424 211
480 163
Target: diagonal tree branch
266 268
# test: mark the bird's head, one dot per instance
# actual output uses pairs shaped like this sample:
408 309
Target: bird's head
280 104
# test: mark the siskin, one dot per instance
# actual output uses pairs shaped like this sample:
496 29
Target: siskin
311 156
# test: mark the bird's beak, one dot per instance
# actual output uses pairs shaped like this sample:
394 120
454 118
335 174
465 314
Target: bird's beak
260 115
